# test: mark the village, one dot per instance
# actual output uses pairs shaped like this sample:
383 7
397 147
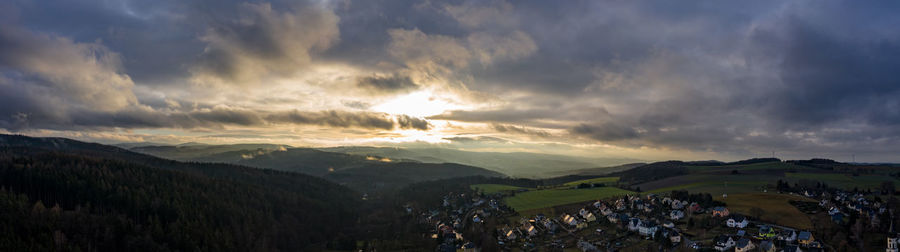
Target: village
677 221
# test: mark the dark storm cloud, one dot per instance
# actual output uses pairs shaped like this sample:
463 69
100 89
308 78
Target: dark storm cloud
606 131
809 76
394 83
520 130
477 139
408 122
509 116
213 118
335 119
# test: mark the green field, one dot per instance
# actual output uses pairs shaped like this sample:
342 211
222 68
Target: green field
710 183
494 188
554 197
604 180
749 167
845 181
775 208
717 187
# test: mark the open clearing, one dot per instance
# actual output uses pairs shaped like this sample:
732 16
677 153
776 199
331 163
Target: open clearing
554 197
775 208
767 166
603 180
713 184
494 188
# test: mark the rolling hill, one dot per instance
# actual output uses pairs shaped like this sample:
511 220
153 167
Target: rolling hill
61 194
361 172
516 164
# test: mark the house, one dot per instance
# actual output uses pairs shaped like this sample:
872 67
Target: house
648 228
529 229
805 238
677 204
620 204
674 237
568 220
787 235
548 223
838 217
719 211
511 235
892 244
583 212
695 208
606 211
767 246
613 218
737 221
766 232
634 224
791 248
587 215
724 242
676 214
744 245
669 224
581 225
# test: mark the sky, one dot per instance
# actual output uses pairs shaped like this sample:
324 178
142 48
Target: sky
649 80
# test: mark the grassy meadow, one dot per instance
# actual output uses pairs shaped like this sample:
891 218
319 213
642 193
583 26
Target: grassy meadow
554 197
775 208
845 181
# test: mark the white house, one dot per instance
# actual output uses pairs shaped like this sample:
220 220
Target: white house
648 228
634 224
787 235
724 242
737 221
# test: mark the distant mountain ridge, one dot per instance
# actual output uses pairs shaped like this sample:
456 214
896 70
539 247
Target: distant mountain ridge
516 164
347 169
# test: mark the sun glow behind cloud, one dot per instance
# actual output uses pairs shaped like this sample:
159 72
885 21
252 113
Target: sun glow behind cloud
418 104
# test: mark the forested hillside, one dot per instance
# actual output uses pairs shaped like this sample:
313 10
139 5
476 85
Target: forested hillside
114 200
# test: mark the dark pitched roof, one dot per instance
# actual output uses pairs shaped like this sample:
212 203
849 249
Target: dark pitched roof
743 242
722 238
805 235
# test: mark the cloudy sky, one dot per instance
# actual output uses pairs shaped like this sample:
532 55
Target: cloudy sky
639 79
